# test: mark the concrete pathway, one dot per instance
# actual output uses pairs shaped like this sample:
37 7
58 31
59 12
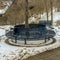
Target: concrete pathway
49 55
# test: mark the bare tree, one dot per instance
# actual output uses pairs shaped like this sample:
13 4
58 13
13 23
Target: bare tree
51 6
26 19
46 7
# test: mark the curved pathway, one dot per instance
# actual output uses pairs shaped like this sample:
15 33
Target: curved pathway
49 55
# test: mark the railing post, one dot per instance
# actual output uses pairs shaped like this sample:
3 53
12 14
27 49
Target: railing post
15 38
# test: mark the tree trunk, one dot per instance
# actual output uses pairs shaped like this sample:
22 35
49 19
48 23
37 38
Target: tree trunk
46 6
51 3
26 18
26 14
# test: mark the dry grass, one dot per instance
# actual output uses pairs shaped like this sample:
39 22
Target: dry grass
16 13
58 23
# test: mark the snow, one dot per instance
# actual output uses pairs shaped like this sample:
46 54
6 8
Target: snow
7 5
42 17
56 17
57 30
15 53
2 32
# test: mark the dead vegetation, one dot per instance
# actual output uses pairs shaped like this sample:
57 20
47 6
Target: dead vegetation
16 13
58 23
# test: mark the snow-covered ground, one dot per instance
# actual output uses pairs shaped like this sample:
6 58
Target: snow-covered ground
8 52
